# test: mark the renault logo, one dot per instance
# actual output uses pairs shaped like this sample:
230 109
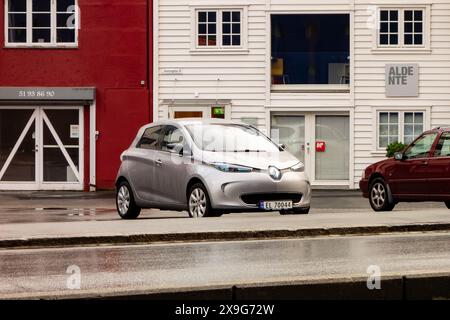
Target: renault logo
275 173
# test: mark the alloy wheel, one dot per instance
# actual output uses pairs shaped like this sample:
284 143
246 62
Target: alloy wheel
197 203
123 200
378 195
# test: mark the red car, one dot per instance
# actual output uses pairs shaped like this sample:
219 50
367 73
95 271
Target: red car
420 173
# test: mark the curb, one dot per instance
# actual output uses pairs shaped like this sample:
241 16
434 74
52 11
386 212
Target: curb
218 236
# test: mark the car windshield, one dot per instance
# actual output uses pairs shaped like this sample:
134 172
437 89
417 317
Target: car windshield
230 138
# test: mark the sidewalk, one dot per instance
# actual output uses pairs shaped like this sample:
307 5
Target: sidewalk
230 227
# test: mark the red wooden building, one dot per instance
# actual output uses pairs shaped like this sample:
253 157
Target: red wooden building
75 79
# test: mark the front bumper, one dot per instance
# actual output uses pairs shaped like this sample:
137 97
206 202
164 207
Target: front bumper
364 187
226 189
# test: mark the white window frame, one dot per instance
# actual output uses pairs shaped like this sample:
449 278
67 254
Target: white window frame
219 48
401 47
401 124
53 28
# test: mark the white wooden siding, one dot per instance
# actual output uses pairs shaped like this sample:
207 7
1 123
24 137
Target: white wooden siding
243 77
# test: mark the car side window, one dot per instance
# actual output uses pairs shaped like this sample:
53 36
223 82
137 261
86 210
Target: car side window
173 138
150 138
443 146
421 147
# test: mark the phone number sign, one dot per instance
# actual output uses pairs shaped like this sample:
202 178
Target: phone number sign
13 93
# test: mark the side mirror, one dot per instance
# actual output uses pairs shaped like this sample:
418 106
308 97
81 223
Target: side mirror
399 156
282 146
176 148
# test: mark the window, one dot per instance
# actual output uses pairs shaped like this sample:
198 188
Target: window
173 140
399 127
150 138
219 29
42 23
401 28
421 148
443 146
310 49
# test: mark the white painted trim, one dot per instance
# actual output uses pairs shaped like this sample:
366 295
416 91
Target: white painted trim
92 146
156 59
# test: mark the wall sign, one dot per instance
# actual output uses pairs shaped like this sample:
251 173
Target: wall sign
74 131
28 93
321 146
402 80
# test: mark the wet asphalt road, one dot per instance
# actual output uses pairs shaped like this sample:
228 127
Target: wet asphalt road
183 265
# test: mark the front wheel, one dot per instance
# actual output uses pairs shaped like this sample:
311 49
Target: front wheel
295 211
379 196
126 206
199 205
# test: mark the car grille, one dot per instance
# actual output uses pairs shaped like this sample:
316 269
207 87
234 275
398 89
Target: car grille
255 198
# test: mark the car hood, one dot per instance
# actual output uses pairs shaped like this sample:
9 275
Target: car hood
257 160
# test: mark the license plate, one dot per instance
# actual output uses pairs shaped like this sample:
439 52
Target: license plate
275 205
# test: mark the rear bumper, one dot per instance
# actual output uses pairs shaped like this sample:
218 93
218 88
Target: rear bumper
364 187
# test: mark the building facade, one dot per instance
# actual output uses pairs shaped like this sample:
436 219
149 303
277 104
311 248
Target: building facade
335 81
74 89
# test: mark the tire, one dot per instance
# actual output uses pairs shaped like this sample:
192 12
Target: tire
447 204
125 204
295 211
379 196
199 204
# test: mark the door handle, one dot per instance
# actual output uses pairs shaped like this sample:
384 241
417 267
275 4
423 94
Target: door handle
158 162
424 163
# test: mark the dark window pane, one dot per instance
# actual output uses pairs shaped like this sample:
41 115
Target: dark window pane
226 40
418 27
212 41
408 27
41 35
202 17
64 5
384 39
236 40
408 15
393 39
211 17
41 20
41 5
236 28
202 28
17 5
394 27
226 16
226 28
202 40
384 27
211 28
384 15
393 15
408 39
418 15
65 35
18 20
65 20
236 16
17 35
418 39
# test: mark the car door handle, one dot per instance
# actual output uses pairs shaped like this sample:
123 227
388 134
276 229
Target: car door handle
158 162
424 163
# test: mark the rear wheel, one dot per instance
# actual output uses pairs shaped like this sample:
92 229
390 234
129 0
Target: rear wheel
295 211
126 206
447 204
379 196
199 205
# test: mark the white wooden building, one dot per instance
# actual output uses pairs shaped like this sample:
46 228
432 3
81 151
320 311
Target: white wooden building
335 80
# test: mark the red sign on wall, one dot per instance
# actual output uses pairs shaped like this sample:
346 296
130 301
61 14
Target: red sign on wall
320 146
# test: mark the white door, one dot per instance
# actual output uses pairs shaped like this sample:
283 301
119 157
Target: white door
320 141
41 148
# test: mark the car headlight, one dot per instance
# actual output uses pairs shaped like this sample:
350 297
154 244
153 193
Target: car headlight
299 167
226 167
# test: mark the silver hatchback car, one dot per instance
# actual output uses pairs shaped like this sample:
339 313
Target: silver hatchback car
209 167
